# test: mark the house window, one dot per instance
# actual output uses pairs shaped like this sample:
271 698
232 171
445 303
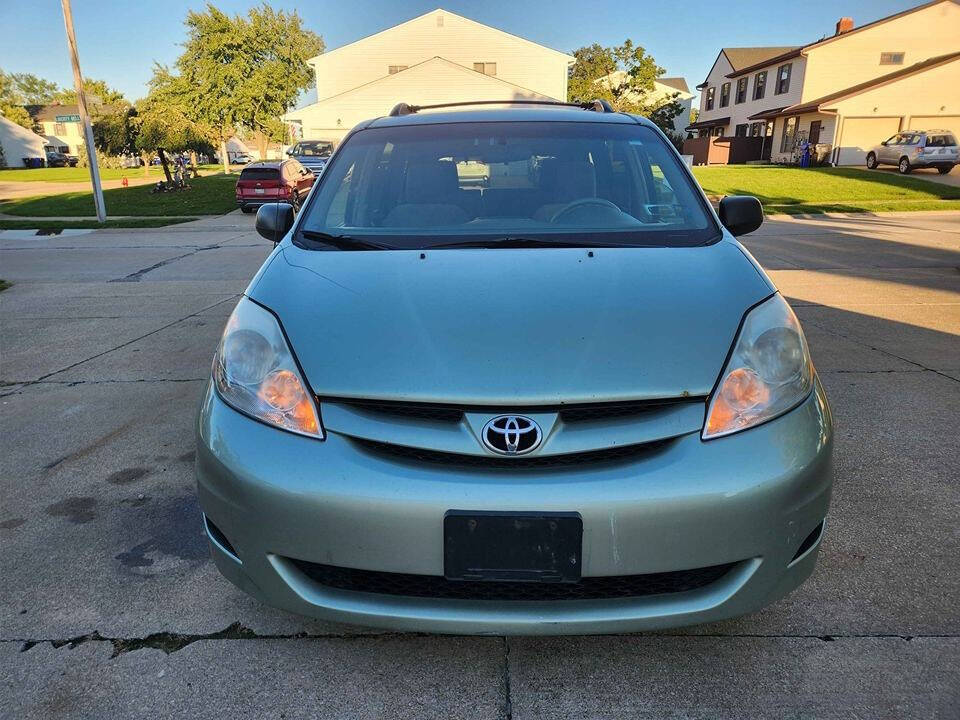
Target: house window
717 131
394 69
756 129
783 79
487 68
741 130
891 58
741 90
710 93
725 94
759 85
59 129
439 20
789 130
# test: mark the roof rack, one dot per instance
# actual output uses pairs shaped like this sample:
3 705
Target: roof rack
601 106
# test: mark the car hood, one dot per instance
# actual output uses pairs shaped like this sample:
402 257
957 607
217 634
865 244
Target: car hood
511 326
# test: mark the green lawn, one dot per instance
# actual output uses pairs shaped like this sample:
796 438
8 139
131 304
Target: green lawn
208 195
6 224
811 190
74 174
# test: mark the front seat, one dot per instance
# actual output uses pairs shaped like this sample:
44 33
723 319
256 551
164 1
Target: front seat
564 181
430 192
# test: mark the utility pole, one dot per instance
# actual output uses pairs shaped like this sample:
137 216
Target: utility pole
84 116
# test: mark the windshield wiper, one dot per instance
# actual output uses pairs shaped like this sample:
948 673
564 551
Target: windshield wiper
511 241
343 242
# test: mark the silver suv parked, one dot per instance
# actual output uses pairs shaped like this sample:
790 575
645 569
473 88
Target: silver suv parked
917 148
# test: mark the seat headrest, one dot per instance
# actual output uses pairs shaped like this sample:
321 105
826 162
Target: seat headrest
430 181
567 180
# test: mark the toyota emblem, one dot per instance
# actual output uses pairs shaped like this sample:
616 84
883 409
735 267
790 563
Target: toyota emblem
511 435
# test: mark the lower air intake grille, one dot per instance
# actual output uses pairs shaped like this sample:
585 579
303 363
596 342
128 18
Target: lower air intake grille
589 588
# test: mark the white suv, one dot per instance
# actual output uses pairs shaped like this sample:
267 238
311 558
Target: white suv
917 148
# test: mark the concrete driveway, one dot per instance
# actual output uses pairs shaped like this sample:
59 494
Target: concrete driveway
109 606
951 178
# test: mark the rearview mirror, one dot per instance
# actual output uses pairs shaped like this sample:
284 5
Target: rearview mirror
740 214
274 220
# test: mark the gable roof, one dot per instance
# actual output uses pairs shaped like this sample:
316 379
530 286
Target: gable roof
814 105
677 83
741 58
511 90
48 113
436 11
802 49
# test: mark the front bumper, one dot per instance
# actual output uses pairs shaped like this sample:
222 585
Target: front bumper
750 499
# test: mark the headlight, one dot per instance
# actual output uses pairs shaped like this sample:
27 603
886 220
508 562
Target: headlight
255 372
769 371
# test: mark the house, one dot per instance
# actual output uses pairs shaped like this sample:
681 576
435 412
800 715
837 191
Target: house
17 143
848 91
664 88
437 57
61 123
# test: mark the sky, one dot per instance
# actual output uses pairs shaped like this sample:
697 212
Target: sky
120 40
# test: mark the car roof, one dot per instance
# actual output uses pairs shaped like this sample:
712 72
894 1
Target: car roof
508 114
265 164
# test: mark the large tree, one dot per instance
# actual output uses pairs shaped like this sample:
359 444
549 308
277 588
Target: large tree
19 89
239 72
162 123
623 75
97 89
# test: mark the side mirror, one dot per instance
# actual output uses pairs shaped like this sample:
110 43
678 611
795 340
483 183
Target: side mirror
740 214
289 153
884 142
274 220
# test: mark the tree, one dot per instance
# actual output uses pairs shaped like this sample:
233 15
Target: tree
624 76
96 89
240 72
19 89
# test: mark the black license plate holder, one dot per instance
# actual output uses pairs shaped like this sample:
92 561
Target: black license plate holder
512 546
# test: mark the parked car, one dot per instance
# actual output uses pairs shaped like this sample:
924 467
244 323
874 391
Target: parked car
263 182
917 148
312 154
59 159
241 159
565 400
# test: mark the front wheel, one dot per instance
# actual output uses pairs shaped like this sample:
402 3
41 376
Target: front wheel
246 209
904 166
872 161
944 169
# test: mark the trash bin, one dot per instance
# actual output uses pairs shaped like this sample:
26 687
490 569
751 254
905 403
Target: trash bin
33 162
821 154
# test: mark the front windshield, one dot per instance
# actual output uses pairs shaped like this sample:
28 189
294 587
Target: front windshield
419 186
315 148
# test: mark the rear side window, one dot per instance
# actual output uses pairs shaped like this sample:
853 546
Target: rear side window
259 174
941 141
413 186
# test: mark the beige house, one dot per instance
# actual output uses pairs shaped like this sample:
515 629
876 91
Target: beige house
849 91
434 58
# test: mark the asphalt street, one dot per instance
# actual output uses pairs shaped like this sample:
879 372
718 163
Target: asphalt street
110 607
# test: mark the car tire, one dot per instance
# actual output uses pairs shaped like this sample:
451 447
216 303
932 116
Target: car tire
871 161
944 169
904 166
246 209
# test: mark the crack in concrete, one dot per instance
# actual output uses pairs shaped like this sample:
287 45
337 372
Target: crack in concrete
808 321
507 692
136 276
123 345
170 642
72 383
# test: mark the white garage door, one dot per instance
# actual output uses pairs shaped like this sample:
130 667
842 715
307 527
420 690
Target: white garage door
861 134
937 122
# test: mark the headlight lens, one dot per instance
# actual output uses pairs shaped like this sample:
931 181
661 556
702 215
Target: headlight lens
255 372
769 371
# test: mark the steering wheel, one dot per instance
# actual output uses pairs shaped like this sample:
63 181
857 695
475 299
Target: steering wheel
583 202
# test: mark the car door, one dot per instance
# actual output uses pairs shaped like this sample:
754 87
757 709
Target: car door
887 151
